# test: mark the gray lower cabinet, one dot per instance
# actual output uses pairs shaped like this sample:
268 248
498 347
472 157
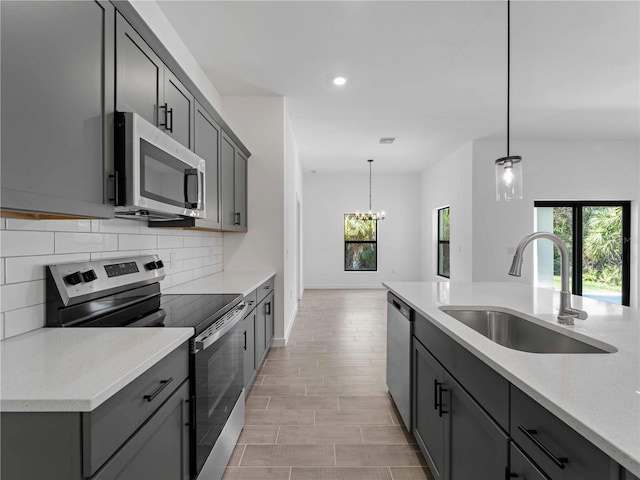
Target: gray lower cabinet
144 85
139 433
207 145
268 321
428 423
259 329
57 72
249 348
459 440
558 450
233 187
159 450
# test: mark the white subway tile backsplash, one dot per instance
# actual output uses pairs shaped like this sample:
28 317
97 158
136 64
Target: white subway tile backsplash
116 254
15 243
24 320
79 225
137 242
171 241
116 225
20 295
25 269
29 245
85 242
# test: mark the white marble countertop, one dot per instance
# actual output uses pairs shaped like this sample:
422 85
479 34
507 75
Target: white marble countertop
224 282
77 369
596 394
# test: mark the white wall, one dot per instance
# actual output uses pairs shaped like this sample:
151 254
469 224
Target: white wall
448 183
26 246
327 197
292 195
158 22
260 122
551 171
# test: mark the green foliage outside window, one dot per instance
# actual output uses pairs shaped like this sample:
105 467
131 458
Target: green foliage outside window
360 243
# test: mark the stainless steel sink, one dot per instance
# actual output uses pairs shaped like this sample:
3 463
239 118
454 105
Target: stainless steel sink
518 333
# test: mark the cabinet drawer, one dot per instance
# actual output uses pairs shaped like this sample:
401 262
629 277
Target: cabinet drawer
265 289
109 426
251 300
522 467
559 450
484 384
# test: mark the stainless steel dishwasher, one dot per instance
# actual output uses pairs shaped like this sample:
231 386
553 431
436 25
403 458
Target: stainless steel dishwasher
399 355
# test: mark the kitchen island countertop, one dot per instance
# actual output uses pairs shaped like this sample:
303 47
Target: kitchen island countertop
598 395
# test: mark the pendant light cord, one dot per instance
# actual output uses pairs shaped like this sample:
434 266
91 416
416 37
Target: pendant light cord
508 69
370 162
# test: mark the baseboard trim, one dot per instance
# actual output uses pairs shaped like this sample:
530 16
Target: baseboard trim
282 342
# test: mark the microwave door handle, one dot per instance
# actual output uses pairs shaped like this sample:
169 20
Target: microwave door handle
191 173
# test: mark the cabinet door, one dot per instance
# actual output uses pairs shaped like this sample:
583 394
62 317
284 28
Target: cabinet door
177 110
428 426
57 74
160 449
261 331
227 184
139 75
269 326
249 348
478 448
240 190
207 145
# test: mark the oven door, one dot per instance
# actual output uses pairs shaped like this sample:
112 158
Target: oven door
161 175
217 385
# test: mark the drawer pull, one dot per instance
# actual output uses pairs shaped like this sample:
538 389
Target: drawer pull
440 390
163 385
529 433
435 393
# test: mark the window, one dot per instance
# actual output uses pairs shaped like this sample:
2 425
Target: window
597 235
443 242
360 244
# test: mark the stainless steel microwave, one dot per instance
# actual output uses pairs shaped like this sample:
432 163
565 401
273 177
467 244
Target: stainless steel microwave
155 177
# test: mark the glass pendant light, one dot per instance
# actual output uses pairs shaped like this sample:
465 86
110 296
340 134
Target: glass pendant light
509 168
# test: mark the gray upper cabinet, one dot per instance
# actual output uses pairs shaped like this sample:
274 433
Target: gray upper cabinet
144 85
207 145
57 114
139 74
178 110
233 187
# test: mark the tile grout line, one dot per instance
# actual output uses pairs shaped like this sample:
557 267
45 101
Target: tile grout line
244 449
277 435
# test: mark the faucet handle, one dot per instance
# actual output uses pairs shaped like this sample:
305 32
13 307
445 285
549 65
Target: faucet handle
575 313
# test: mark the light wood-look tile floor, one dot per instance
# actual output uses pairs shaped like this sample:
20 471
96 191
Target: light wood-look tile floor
319 408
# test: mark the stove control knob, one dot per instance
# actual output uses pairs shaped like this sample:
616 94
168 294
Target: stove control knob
151 265
73 278
159 264
89 275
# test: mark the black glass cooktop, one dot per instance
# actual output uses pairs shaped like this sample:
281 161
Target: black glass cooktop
197 311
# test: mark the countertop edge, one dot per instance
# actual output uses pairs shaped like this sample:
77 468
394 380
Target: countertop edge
616 452
90 404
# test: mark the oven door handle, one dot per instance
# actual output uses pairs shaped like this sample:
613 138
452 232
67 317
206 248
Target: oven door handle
203 341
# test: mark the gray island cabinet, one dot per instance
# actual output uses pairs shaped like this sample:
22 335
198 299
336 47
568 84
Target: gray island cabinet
57 110
141 432
474 417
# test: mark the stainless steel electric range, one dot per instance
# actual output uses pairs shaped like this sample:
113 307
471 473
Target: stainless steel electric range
125 292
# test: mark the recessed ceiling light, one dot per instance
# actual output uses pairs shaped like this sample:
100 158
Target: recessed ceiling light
387 140
339 81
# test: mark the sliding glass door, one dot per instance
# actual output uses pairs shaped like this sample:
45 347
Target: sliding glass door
597 237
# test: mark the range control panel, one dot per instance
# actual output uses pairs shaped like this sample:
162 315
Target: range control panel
83 280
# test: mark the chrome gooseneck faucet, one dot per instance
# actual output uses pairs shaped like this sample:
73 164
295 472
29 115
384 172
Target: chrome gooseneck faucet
566 313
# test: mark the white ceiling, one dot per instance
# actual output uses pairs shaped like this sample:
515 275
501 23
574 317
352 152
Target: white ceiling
431 73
